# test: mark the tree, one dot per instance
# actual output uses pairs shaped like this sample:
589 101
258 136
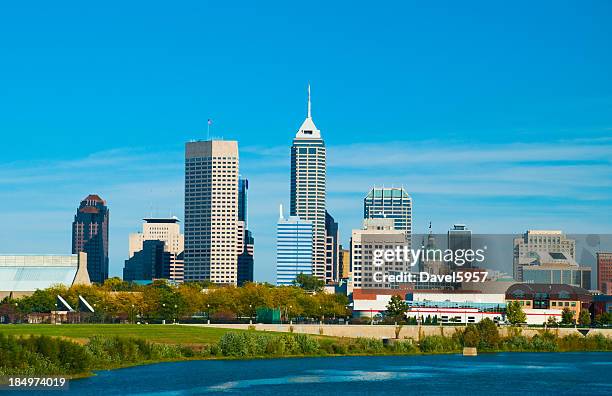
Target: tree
489 334
471 336
567 316
397 308
308 282
514 313
552 322
603 319
584 318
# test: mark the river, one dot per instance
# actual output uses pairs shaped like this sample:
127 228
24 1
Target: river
486 374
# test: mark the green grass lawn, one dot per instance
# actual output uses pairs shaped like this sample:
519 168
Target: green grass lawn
170 334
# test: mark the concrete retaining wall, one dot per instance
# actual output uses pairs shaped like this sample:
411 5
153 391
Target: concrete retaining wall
384 331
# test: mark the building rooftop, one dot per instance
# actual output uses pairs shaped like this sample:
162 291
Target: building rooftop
29 272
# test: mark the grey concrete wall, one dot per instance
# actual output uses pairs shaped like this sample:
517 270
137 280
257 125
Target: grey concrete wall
384 331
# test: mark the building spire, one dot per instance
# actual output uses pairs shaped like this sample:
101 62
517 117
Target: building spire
309 114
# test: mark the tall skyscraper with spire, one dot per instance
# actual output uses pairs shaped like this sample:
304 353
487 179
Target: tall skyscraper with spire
308 186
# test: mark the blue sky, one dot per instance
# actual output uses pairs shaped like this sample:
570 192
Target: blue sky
492 115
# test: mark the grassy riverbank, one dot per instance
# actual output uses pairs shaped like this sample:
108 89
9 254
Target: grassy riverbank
29 353
166 334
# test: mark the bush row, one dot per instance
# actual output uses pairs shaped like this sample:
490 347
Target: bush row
43 355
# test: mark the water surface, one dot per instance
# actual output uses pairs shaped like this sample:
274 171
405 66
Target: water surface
502 373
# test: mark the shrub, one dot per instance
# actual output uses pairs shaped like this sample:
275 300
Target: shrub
404 347
544 342
516 343
339 348
437 343
306 343
369 345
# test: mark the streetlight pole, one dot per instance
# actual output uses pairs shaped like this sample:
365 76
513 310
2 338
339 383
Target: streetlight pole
175 314
250 314
208 313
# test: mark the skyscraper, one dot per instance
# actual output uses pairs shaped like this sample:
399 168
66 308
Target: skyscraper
166 230
332 254
246 242
460 238
390 203
90 235
243 202
211 211
293 248
308 186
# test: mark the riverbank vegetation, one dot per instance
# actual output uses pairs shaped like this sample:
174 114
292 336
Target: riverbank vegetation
44 355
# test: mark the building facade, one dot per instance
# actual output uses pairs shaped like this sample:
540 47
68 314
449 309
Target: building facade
332 253
539 296
377 234
345 263
459 238
153 261
166 230
308 186
23 274
555 268
158 229
539 241
246 242
294 248
211 211
391 203
90 235
604 272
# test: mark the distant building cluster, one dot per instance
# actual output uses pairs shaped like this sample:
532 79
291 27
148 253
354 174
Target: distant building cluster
217 245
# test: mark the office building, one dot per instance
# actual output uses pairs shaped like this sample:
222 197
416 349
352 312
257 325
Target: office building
556 268
23 274
459 238
332 273
246 260
390 203
377 234
243 202
294 248
167 231
345 263
308 186
90 235
158 229
246 242
154 261
604 272
211 211
540 296
539 241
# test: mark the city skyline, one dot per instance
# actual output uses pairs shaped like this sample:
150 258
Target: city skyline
518 124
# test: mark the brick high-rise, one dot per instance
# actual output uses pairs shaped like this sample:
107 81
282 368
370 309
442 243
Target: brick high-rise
90 235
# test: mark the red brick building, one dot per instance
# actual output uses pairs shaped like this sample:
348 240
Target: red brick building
604 272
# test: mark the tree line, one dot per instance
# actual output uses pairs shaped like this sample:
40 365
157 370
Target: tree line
117 300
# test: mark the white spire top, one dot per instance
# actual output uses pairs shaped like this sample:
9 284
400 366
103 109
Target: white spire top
280 210
308 130
309 113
